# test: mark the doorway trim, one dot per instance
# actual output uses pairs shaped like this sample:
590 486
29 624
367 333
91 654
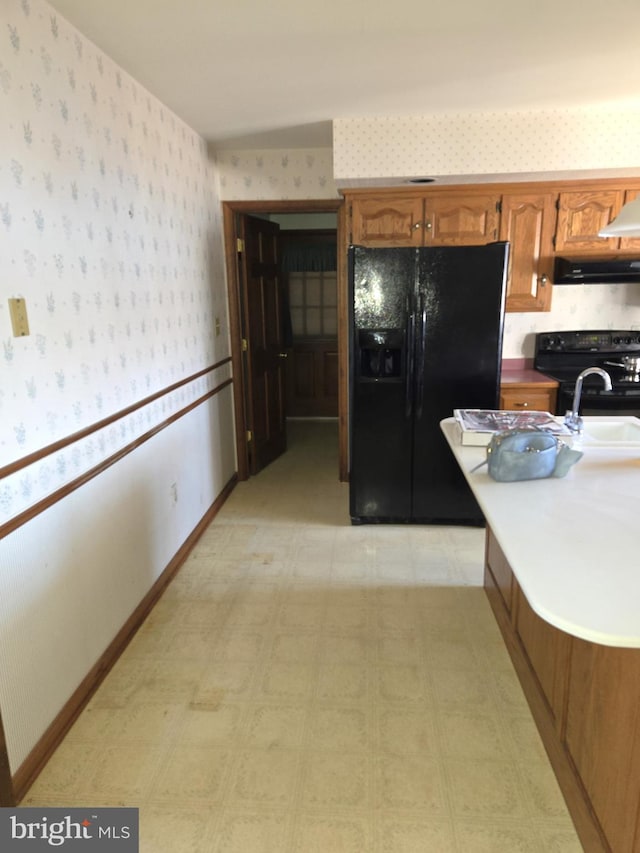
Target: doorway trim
230 211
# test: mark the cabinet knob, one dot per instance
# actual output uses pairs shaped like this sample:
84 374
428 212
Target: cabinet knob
544 279
417 225
522 405
427 225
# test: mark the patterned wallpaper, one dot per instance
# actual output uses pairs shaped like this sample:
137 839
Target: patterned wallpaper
111 230
595 306
561 141
276 174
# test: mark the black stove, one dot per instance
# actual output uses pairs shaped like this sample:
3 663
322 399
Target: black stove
563 355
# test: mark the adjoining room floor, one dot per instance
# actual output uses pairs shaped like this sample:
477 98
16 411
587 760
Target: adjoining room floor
305 685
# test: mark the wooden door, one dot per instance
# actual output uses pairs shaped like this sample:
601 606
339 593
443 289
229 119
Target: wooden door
313 379
461 220
264 352
528 223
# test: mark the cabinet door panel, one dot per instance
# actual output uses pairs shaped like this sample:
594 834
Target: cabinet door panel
536 399
528 223
461 220
581 215
387 221
630 244
547 649
603 735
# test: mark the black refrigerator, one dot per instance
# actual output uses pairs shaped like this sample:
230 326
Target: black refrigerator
425 338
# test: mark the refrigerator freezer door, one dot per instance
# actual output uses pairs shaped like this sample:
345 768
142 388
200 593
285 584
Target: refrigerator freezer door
382 285
458 366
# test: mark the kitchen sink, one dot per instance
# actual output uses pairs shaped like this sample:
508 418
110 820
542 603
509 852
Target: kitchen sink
611 431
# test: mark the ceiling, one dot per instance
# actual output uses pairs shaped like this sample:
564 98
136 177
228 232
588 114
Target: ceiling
274 73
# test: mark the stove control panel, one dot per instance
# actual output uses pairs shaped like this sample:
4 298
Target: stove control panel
588 341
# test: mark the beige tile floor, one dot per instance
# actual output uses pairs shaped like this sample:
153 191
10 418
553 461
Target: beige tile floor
308 686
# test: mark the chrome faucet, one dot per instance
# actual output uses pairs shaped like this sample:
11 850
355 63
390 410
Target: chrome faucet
572 419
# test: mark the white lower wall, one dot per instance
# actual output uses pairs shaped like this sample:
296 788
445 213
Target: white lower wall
73 575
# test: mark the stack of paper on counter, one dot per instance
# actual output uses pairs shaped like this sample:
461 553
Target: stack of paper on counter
478 425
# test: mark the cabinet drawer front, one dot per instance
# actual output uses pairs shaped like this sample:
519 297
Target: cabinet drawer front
543 400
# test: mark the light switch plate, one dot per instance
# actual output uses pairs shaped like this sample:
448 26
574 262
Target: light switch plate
19 320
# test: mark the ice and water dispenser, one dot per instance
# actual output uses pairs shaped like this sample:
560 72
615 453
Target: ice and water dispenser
380 353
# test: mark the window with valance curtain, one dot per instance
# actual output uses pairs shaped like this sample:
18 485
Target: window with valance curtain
309 263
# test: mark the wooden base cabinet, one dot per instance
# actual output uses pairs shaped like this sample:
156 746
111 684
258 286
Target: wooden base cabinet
529 395
602 736
585 699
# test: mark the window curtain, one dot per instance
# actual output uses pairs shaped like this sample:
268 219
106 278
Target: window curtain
300 256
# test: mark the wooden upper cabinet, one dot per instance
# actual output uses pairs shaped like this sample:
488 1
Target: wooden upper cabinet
434 220
630 244
528 223
581 215
387 221
539 220
461 219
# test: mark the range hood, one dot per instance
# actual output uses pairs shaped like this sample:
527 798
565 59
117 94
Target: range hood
596 271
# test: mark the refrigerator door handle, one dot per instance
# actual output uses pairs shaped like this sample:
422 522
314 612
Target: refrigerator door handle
422 346
410 350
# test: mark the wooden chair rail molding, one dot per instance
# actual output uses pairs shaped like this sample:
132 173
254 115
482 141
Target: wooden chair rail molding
63 491
37 455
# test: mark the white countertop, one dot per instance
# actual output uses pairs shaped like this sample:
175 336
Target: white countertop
574 542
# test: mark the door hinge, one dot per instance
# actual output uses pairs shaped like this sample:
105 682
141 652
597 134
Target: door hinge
245 345
249 435
239 245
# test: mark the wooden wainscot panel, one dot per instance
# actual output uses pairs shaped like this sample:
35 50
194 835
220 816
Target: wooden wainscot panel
548 651
501 571
603 736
